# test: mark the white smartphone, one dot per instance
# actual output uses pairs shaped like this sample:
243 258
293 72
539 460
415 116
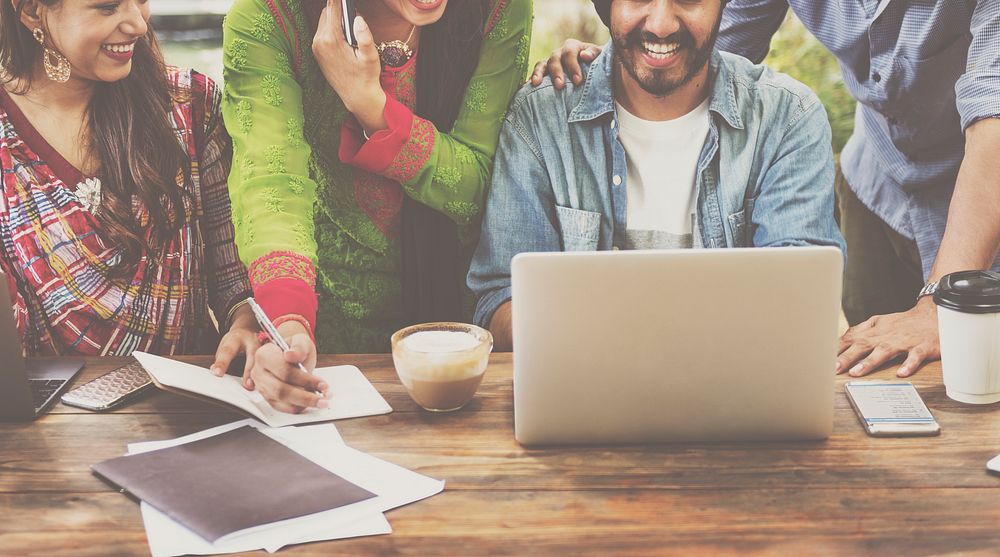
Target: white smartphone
891 409
994 465
349 11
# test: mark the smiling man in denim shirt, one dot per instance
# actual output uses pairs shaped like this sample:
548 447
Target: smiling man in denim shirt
918 195
667 143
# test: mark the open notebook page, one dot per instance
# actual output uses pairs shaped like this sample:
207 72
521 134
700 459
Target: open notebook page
352 395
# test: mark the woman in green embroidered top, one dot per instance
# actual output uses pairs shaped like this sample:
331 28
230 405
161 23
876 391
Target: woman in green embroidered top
359 175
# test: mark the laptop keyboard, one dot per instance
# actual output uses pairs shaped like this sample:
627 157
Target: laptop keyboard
42 389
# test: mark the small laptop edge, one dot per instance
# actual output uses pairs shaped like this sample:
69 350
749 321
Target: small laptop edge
16 372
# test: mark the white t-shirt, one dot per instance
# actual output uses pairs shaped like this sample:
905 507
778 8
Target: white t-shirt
662 160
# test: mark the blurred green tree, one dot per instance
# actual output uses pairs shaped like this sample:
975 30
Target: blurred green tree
558 20
796 52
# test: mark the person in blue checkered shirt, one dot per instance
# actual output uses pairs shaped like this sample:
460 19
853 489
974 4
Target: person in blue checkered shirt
919 188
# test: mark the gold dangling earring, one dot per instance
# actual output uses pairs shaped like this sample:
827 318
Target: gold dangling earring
56 65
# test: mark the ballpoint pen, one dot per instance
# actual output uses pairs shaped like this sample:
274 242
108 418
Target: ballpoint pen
270 329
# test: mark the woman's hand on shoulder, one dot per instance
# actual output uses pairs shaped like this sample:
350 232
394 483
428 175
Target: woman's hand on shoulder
353 73
277 377
564 61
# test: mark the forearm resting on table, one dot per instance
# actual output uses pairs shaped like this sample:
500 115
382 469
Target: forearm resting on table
972 235
502 330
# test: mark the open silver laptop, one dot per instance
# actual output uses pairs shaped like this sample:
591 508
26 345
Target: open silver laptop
27 386
665 346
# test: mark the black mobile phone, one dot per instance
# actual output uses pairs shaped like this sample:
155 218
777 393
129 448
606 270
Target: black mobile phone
349 12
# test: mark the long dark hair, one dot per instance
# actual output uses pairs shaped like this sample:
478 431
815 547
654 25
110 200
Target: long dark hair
432 261
130 136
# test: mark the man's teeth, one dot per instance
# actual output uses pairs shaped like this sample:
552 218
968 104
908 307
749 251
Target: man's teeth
661 50
119 47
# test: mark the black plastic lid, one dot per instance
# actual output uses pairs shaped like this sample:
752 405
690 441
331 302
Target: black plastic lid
970 292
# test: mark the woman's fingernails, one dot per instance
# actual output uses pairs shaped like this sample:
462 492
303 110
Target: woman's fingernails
903 372
322 403
856 370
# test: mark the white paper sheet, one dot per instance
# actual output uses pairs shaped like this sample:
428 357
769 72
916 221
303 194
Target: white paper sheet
352 395
394 486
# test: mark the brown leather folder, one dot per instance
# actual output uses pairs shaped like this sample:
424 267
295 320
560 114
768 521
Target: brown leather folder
230 482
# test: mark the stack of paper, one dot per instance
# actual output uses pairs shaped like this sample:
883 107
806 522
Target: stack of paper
392 486
385 485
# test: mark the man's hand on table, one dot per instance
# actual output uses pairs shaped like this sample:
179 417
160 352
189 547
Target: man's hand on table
277 377
869 345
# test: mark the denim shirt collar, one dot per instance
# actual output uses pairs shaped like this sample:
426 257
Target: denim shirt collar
597 98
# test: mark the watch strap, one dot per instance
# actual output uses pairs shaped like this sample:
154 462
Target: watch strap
928 290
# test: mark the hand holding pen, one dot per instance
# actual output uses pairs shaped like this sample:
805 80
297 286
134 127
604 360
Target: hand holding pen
282 370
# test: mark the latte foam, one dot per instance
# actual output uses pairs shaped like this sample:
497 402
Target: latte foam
440 342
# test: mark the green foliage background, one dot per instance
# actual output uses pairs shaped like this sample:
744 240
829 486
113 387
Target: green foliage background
793 51
796 52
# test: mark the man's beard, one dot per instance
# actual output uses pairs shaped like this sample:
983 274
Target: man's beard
657 83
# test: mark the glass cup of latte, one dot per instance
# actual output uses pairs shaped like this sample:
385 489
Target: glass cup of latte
441 364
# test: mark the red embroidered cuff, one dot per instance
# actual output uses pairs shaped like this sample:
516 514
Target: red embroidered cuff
287 297
376 154
285 283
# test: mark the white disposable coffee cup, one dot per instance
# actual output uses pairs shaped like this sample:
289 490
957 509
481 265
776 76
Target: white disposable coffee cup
968 305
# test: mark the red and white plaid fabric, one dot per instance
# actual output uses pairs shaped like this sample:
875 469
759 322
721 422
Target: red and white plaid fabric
57 257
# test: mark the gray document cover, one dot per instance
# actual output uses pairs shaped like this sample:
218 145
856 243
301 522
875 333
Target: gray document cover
230 482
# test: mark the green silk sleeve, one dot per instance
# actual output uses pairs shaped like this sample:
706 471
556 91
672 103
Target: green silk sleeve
450 172
272 193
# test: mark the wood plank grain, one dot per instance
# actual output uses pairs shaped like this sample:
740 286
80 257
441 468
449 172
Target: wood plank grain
849 495
912 522
474 449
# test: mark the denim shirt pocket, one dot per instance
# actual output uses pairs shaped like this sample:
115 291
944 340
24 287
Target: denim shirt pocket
738 227
580 230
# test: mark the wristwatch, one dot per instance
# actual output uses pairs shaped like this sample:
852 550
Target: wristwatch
928 290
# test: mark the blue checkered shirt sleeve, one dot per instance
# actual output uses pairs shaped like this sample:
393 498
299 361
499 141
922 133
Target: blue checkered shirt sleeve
748 25
978 90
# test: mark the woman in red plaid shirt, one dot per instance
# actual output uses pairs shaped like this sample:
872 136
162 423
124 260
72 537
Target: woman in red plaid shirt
115 226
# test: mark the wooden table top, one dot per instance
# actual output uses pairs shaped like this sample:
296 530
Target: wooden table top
849 495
